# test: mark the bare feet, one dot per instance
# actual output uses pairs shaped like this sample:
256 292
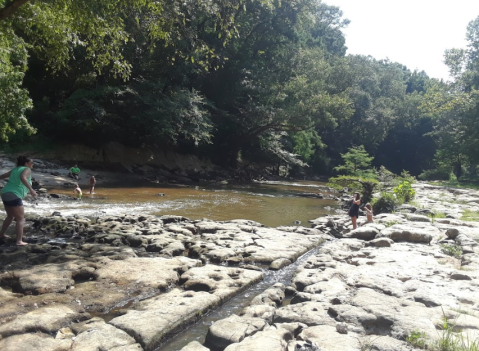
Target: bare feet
22 243
4 237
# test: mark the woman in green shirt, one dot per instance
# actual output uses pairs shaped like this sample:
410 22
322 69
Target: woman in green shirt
18 185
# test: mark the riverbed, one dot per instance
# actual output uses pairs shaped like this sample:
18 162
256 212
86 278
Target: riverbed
272 204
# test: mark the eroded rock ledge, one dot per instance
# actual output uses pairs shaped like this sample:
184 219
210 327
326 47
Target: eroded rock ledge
129 282
370 289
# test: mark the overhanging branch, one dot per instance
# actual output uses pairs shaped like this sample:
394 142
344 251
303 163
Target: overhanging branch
11 8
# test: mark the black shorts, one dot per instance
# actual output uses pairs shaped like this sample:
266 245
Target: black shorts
13 203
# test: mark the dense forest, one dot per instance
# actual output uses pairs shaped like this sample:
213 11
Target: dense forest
264 82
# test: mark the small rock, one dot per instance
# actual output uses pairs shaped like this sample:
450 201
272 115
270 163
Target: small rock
342 328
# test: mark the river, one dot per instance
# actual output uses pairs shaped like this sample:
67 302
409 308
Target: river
271 203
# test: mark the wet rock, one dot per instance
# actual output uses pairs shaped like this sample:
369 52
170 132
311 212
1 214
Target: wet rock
151 320
279 263
232 329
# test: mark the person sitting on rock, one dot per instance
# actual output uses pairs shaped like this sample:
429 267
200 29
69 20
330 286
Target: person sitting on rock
78 191
74 172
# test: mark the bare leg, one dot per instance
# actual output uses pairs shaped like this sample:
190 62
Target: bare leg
354 219
6 223
19 214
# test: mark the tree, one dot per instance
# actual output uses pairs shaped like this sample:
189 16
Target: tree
59 31
14 100
365 186
278 80
355 160
454 106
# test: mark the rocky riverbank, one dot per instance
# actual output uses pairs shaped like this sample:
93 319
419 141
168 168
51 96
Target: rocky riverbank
130 282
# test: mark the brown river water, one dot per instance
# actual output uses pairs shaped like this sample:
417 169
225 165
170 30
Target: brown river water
272 204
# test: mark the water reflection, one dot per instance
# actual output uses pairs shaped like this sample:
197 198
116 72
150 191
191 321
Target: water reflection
272 204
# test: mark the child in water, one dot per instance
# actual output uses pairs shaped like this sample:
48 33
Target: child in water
369 213
77 191
92 184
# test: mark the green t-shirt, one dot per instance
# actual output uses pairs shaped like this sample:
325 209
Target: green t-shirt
15 185
75 170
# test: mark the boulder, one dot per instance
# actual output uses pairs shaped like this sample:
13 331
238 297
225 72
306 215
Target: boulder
399 232
363 233
380 242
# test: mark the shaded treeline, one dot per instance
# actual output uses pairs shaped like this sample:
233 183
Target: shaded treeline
241 82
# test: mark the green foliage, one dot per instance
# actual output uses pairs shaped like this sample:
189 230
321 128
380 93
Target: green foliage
14 100
417 339
455 106
469 215
366 343
404 192
437 215
355 160
450 339
365 186
305 143
142 113
435 174
391 223
451 250
267 80
406 176
386 203
68 37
